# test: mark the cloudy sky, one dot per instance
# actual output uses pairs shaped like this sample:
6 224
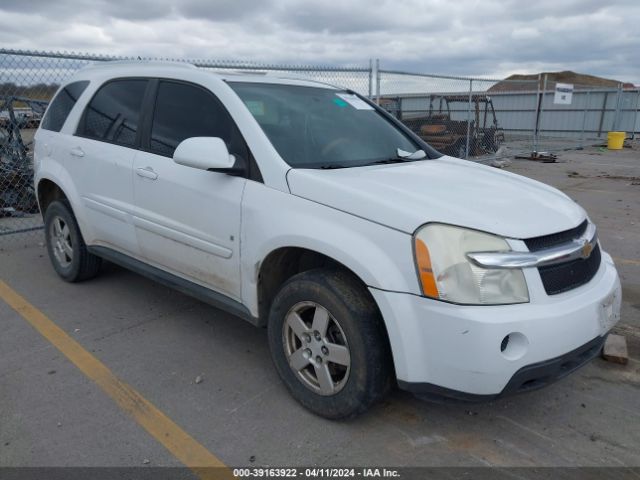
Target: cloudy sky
458 37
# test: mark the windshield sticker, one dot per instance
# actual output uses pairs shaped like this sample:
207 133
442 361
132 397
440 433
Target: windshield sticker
341 103
354 101
256 107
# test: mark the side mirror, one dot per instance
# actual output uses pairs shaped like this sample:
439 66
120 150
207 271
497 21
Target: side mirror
205 153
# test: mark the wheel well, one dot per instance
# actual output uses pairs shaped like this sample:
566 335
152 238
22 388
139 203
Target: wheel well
282 264
48 192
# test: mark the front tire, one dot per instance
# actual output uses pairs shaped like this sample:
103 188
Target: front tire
65 245
329 344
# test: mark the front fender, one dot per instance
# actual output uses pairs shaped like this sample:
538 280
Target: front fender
380 256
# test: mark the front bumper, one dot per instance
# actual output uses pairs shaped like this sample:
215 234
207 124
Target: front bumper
457 350
526 379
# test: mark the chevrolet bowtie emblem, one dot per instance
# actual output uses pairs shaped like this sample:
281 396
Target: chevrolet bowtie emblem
586 249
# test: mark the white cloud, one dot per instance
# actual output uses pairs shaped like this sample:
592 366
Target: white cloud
525 33
465 37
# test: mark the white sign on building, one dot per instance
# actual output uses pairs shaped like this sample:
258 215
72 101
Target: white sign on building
564 92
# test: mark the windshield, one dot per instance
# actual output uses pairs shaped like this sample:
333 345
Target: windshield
313 127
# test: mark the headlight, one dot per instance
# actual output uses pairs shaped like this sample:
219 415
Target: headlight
446 273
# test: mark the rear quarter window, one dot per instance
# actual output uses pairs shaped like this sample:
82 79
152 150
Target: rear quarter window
61 105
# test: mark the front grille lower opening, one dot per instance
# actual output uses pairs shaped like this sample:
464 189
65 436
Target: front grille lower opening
532 384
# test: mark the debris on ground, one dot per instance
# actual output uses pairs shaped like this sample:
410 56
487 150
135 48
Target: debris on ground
198 379
502 152
500 162
146 461
544 157
252 458
615 349
620 177
632 179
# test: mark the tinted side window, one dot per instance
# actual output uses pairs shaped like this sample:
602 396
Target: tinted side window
61 106
183 111
113 114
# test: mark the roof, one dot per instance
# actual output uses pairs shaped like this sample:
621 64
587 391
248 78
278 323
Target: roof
143 68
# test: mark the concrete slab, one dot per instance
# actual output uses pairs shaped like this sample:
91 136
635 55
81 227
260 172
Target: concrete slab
51 415
615 349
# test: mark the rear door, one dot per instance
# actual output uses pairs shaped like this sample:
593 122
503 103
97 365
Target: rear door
101 159
188 220
52 140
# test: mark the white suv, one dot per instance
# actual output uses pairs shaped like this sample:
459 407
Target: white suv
304 208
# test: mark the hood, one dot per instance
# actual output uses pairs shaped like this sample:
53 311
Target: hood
448 190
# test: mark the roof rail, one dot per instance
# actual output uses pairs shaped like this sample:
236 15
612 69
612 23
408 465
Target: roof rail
111 63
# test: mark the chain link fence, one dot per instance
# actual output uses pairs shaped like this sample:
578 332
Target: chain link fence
592 113
479 119
28 81
460 116
484 119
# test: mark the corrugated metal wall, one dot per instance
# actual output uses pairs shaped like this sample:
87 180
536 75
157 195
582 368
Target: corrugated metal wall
592 113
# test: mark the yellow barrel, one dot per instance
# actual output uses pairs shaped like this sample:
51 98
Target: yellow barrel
615 140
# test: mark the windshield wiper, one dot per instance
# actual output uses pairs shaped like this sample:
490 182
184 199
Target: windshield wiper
417 155
331 166
385 161
402 156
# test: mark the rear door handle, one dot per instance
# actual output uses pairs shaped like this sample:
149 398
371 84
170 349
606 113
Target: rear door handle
147 172
77 152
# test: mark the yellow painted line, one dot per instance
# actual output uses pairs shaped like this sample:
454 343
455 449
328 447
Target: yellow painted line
182 445
626 261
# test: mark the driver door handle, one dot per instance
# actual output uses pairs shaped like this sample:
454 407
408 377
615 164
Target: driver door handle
147 172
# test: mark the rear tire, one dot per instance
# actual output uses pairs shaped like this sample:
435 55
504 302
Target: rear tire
328 343
65 245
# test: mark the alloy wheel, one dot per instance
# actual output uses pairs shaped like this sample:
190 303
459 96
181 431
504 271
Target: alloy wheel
316 348
60 237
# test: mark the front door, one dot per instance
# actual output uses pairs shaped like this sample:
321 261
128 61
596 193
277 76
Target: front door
188 220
